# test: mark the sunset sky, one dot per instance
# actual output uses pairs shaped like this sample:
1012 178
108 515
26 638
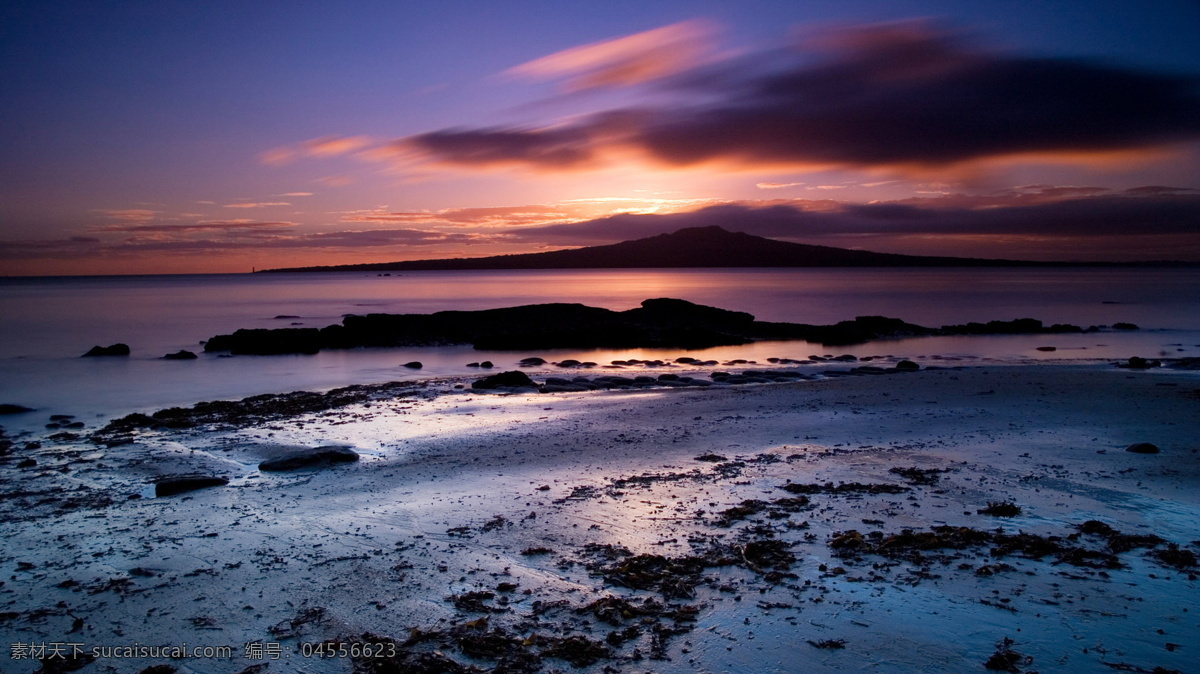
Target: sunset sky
174 137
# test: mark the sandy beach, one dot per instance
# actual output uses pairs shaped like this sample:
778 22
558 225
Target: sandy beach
939 520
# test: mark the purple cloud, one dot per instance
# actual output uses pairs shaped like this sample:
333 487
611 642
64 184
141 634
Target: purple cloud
887 96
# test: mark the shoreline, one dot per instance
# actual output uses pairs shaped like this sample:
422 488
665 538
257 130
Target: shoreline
436 514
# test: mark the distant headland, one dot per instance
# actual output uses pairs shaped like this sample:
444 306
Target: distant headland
695 247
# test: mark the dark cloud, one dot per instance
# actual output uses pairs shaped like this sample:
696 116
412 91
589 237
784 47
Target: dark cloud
77 247
1068 191
1081 217
206 226
884 97
347 239
547 148
47 248
1158 189
379 237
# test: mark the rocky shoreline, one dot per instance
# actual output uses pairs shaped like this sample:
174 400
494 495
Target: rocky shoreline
947 519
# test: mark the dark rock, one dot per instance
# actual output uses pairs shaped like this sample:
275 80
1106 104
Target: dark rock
860 330
113 350
510 378
533 361
1047 348
1124 326
657 323
182 354
9 408
310 458
26 463
414 365
1142 448
1139 363
263 342
178 484
907 366
1020 326
487 365
1185 364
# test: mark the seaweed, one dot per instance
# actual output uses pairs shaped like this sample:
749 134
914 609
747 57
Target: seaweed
1175 557
1001 509
1005 659
577 650
473 602
843 488
920 476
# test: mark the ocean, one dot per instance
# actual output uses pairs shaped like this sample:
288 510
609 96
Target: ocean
47 323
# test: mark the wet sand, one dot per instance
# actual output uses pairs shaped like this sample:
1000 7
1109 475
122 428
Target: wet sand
638 531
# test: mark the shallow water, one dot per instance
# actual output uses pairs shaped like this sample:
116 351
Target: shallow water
48 322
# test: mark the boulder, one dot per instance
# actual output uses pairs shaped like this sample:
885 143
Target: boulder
1124 326
182 354
178 484
487 365
310 458
1139 363
113 350
532 361
565 388
413 365
9 408
907 366
1142 448
510 378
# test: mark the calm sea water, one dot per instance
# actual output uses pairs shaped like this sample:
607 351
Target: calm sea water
46 323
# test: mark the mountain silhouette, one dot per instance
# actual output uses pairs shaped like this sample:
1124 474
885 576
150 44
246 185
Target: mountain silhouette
691 247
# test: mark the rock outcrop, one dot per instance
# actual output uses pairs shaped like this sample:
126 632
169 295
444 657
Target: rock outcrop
317 457
178 484
512 378
657 323
112 350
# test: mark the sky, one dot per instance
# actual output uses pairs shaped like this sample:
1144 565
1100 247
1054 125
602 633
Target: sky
216 137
